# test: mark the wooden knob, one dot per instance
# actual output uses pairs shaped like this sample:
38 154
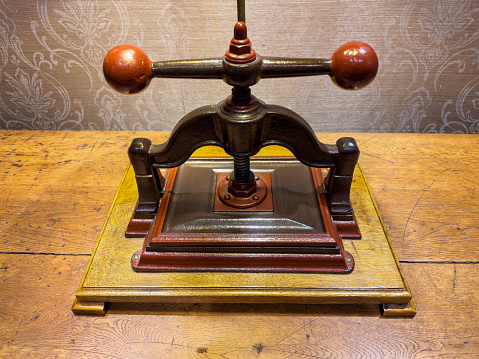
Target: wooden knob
127 69
354 65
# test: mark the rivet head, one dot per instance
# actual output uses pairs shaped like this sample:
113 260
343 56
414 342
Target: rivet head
227 196
255 197
349 260
135 257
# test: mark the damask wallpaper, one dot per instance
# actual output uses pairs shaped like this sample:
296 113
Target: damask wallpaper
51 52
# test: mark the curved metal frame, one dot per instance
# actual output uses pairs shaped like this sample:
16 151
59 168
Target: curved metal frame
243 131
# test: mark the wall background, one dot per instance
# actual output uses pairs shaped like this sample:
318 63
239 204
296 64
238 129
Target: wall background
51 53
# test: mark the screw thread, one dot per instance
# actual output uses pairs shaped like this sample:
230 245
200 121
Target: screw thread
242 172
240 95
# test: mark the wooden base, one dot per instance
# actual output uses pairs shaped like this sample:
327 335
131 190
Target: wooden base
377 278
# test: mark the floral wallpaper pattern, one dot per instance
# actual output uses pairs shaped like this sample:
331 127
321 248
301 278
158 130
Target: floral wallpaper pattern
51 52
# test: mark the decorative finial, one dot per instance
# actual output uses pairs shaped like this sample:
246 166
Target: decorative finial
240 50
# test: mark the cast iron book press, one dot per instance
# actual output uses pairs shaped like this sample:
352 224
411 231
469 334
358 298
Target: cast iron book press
243 229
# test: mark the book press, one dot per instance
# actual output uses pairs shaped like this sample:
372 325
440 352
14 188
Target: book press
237 223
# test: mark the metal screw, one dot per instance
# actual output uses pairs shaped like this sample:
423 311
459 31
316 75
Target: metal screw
227 196
256 178
349 260
135 257
255 197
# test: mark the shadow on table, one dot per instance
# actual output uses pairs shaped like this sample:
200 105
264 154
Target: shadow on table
244 309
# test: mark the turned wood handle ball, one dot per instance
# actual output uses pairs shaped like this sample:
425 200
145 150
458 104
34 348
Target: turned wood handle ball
354 65
127 69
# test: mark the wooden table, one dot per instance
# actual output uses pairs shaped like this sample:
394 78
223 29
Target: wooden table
56 191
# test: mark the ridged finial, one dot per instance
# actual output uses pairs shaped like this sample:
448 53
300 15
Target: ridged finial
240 50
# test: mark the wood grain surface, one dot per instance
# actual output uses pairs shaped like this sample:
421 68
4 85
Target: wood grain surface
57 188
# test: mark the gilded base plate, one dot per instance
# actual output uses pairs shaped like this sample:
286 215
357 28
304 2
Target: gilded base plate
376 279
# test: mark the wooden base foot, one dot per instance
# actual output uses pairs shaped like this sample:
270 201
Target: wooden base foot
89 308
398 310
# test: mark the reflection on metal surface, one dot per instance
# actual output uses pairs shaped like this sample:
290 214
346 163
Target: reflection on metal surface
294 199
243 225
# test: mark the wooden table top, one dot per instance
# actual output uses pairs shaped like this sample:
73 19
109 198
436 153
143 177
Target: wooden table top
56 191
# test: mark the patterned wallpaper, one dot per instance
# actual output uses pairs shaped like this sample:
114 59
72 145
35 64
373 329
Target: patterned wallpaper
51 53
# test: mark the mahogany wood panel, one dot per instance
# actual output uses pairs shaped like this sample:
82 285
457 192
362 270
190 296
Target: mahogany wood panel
57 188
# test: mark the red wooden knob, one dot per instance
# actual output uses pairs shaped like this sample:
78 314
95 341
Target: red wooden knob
354 65
127 69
